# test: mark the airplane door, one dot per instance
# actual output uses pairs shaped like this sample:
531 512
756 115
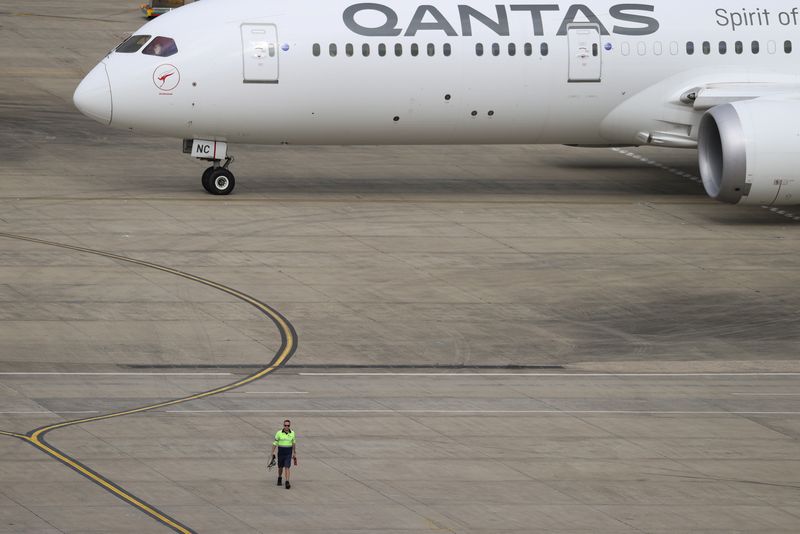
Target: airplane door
585 60
260 53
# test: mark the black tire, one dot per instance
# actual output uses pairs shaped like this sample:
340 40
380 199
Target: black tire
206 180
221 182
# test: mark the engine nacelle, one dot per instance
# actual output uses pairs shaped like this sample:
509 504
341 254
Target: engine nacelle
749 152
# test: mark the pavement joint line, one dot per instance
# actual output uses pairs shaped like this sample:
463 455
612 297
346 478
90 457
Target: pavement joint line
53 373
562 375
64 17
362 367
48 412
37 439
363 200
768 394
682 174
494 412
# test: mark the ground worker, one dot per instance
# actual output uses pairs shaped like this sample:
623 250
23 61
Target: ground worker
285 443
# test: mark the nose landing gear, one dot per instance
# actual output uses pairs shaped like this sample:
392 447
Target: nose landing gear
218 180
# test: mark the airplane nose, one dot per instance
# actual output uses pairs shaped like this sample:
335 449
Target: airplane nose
93 95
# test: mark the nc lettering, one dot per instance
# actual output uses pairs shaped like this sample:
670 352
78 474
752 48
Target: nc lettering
203 149
632 19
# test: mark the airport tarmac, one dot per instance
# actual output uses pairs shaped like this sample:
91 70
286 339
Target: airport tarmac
467 339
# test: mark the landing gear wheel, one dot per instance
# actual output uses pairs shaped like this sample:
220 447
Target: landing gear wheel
217 179
207 179
221 181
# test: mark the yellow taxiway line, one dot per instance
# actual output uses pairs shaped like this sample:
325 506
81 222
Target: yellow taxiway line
36 437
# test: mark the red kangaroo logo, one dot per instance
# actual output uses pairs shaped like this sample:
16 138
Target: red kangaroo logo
163 77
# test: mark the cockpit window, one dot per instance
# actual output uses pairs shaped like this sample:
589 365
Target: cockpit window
132 44
162 47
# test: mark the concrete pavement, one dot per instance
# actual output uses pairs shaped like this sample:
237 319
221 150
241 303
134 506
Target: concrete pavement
632 343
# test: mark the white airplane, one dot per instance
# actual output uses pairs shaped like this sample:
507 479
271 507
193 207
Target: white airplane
675 73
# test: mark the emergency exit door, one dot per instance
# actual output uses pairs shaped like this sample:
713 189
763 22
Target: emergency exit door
260 53
585 60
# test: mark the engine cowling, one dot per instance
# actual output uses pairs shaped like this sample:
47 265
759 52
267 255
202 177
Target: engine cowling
749 152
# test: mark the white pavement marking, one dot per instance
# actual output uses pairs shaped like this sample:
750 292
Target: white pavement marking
267 393
494 412
768 394
694 178
673 170
271 392
583 375
110 374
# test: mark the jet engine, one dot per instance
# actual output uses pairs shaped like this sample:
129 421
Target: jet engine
749 152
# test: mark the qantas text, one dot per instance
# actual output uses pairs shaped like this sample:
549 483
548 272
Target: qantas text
630 19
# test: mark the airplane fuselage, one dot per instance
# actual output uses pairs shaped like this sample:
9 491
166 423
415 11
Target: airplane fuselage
602 73
410 95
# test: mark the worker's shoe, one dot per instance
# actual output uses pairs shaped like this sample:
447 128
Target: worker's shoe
288 485
280 481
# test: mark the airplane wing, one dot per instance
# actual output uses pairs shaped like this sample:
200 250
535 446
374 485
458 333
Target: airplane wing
713 94
669 112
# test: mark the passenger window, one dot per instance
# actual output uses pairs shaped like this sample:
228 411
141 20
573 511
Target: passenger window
132 44
673 48
706 47
446 49
787 47
754 47
512 49
161 47
398 50
365 50
381 49
689 48
528 49
479 49
771 47
625 48
641 48
657 48
495 49
315 50
544 49
738 47
348 49
414 49
723 47
431 49
332 49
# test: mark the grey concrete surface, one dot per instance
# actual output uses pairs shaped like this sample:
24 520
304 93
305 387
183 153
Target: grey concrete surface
669 323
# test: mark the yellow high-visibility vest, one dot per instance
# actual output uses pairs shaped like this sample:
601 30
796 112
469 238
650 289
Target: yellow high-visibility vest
284 439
